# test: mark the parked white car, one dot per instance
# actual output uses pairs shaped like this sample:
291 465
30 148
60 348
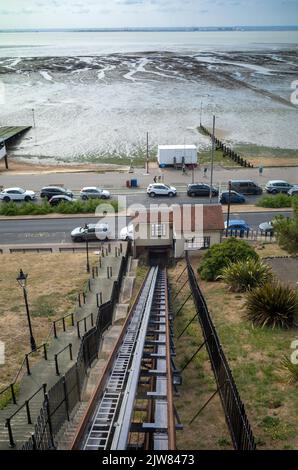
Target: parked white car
160 189
127 233
17 194
92 232
92 192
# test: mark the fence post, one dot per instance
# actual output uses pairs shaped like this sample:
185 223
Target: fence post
108 271
34 445
100 297
44 386
55 331
79 299
109 247
65 398
56 364
97 304
49 420
45 354
78 382
85 323
120 247
28 412
92 323
111 271
70 351
13 394
63 323
27 365
10 435
89 284
78 329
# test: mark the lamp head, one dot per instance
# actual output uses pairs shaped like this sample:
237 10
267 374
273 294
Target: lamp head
22 278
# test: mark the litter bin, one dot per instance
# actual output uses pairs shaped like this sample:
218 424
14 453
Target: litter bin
133 183
128 184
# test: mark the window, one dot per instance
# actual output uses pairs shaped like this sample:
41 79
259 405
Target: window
158 230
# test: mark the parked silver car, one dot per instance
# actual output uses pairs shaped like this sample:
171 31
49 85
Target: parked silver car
160 189
293 191
278 186
17 194
92 192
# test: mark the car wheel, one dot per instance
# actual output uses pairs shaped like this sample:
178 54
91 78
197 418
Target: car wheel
274 191
84 198
152 194
171 194
27 199
78 239
103 197
192 194
6 199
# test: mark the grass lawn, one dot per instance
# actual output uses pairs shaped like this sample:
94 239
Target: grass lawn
54 281
255 358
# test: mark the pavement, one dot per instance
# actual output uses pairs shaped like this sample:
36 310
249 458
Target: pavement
116 181
43 371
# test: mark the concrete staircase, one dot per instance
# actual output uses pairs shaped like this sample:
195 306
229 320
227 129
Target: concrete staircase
43 371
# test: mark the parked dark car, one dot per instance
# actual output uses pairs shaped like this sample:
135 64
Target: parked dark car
55 200
200 189
235 198
246 187
50 191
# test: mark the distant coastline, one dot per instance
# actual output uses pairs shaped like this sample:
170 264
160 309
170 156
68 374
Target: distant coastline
156 29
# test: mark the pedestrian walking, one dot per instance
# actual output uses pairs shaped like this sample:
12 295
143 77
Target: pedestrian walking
155 179
260 170
205 172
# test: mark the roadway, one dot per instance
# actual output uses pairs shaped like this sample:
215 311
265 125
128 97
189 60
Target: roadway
50 230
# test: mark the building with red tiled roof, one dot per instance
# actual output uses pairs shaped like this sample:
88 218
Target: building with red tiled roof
177 229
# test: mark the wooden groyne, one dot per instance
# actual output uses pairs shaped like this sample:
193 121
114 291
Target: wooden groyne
227 151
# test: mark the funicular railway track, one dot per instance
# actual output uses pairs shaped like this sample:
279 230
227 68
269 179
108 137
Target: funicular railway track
132 407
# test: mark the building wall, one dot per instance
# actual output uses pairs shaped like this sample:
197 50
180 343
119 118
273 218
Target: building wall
215 237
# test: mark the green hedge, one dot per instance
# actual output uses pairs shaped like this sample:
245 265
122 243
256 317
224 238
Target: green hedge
221 255
31 208
280 200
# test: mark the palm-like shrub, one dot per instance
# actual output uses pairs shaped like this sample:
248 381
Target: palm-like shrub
291 369
272 305
246 275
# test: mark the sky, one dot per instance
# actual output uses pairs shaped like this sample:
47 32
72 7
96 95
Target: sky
145 13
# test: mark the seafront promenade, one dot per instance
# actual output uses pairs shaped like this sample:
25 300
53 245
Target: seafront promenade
112 180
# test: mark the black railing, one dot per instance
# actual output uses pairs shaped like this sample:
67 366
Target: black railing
25 405
240 430
259 235
62 398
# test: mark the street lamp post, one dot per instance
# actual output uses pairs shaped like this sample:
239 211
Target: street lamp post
87 249
22 280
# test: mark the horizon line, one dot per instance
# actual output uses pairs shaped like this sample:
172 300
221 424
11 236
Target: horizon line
155 28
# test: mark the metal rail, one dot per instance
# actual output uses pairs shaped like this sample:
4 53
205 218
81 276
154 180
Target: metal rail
146 339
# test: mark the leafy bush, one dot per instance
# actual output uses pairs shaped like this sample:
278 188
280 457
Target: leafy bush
246 274
31 208
291 369
272 305
286 230
221 255
279 200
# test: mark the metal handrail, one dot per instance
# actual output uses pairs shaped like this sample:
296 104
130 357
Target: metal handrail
56 356
29 420
63 323
85 323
